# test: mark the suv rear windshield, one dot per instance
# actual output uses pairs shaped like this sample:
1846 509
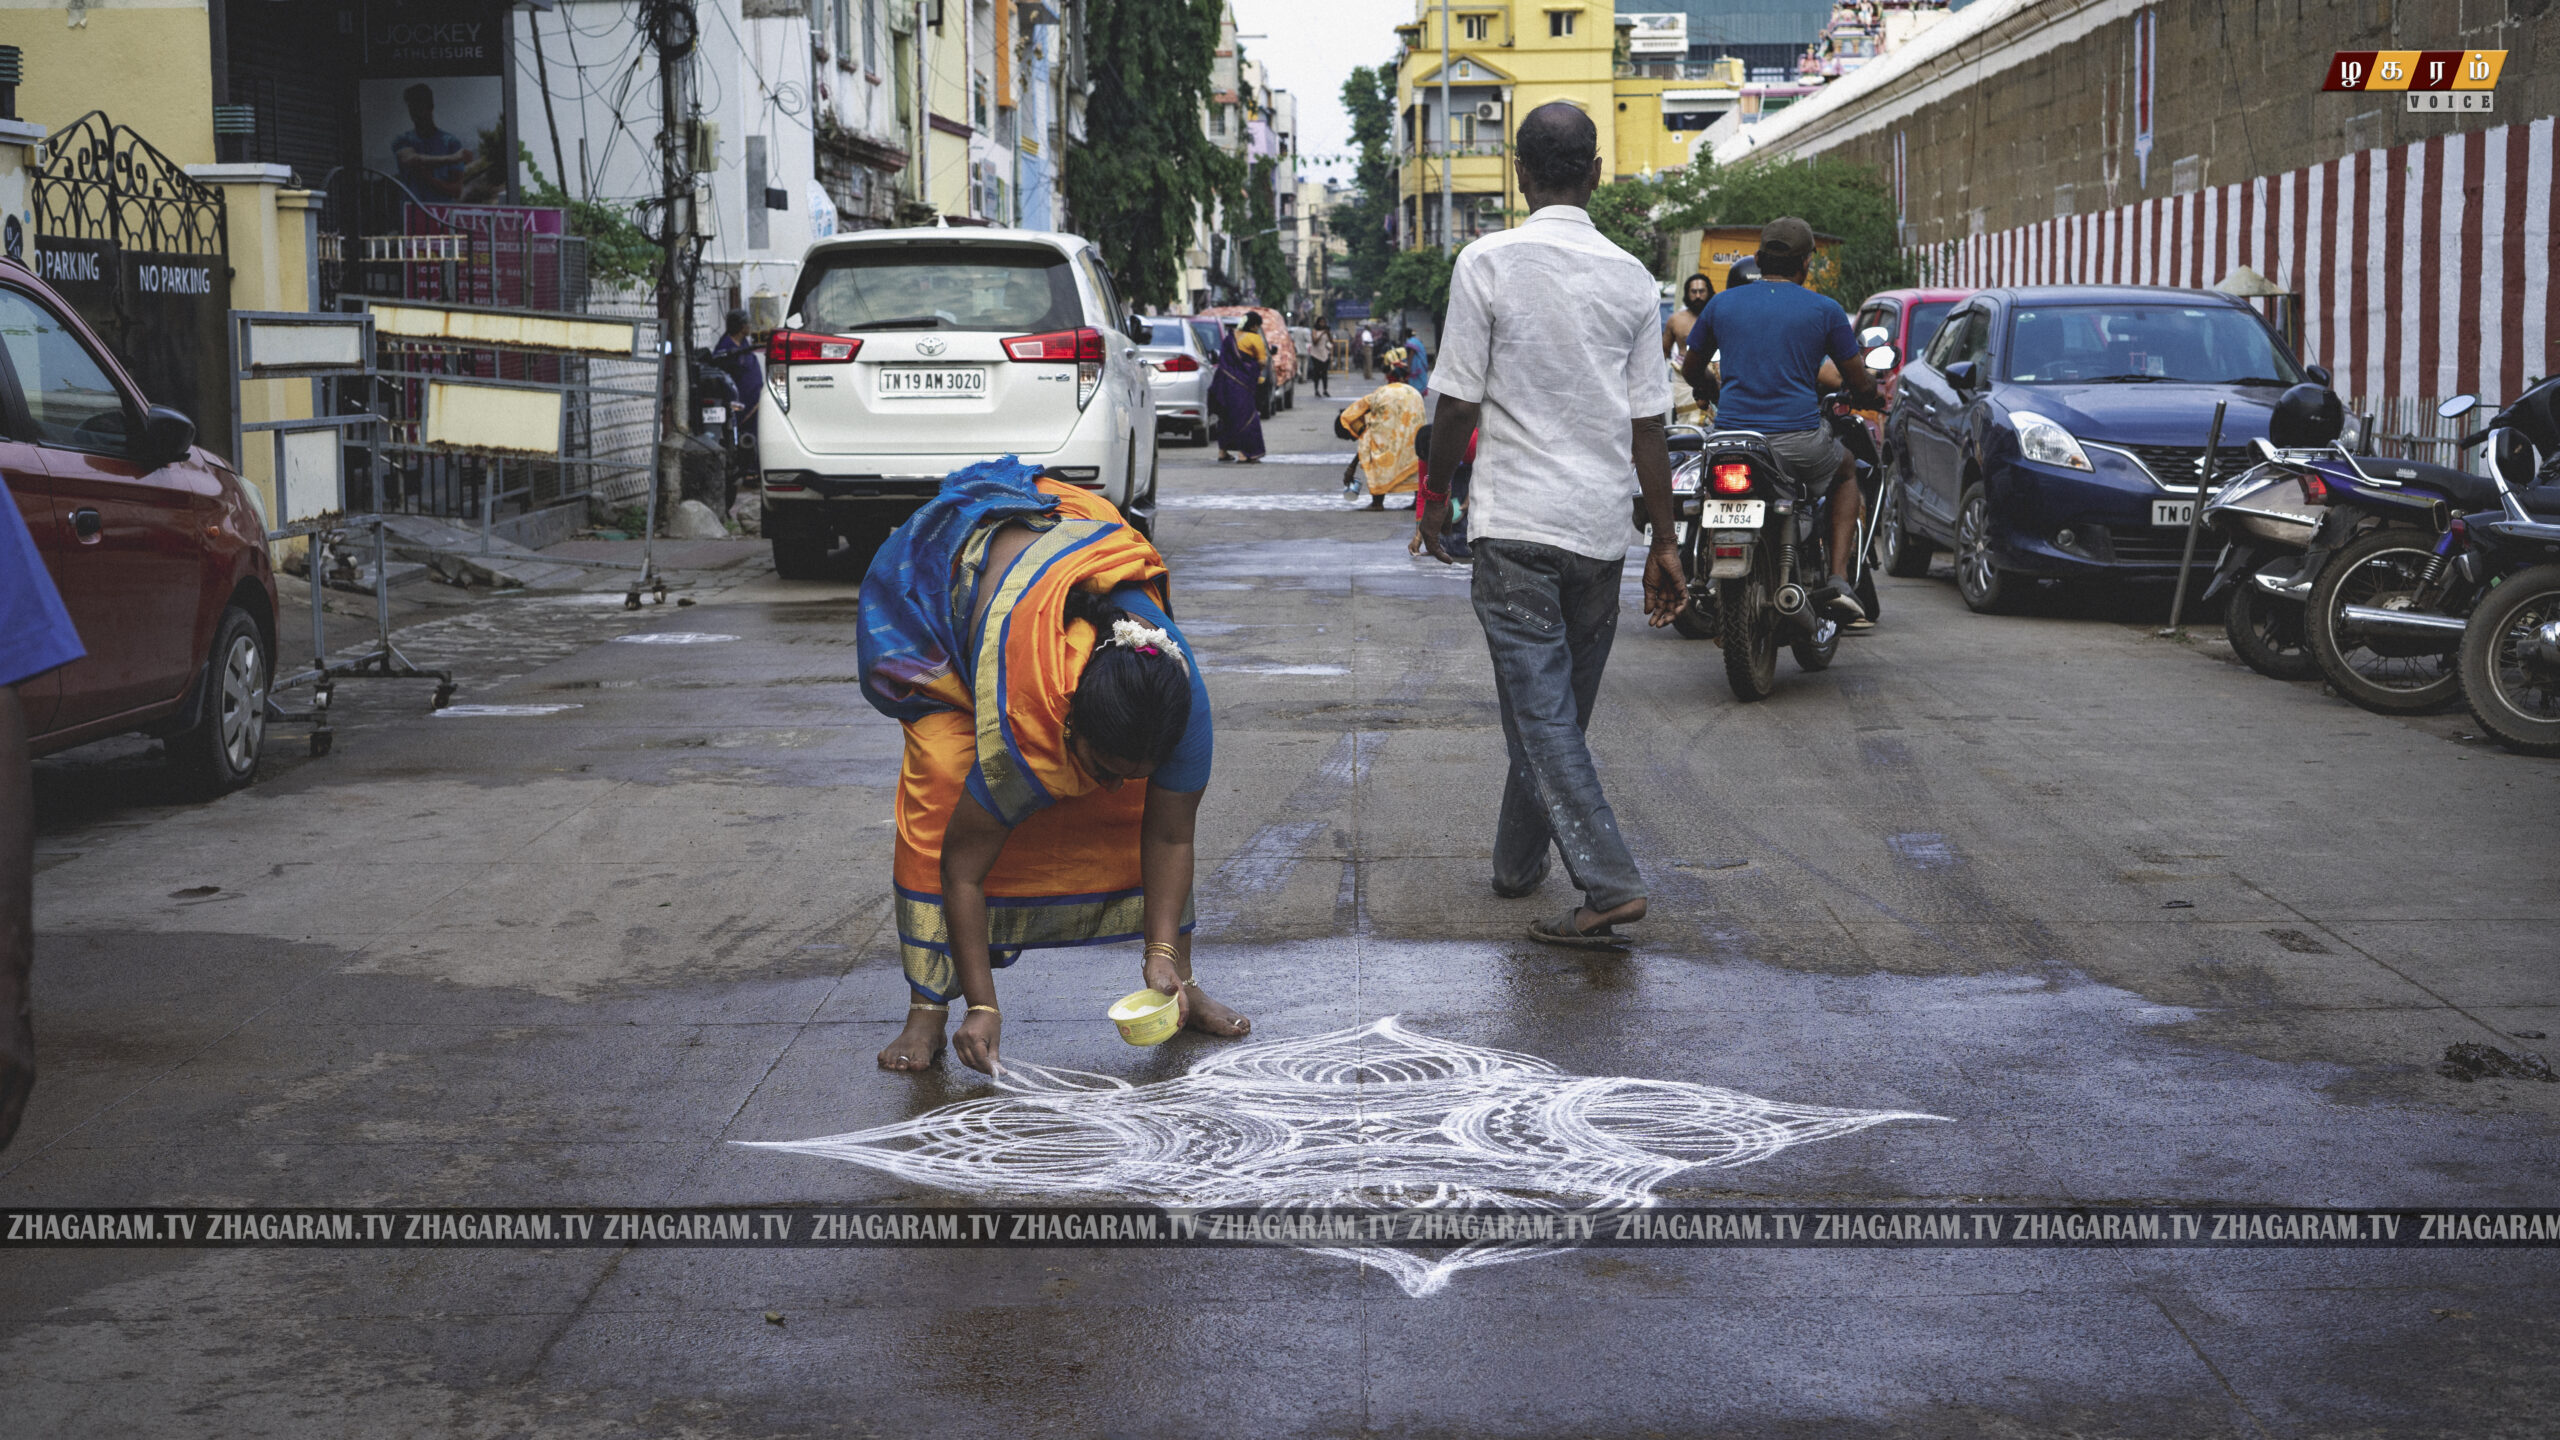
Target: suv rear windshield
1017 289
1166 332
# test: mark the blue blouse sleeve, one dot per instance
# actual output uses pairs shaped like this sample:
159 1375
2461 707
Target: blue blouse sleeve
35 631
1188 771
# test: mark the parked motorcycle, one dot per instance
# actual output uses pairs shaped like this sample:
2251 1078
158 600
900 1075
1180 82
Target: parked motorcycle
2510 659
2267 524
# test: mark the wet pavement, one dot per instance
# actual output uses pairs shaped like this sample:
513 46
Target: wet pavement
2139 925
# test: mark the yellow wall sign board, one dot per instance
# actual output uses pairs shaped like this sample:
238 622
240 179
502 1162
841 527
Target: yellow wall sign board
1724 246
492 418
551 334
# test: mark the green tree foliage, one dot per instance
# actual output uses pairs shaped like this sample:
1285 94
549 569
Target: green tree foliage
619 252
1138 186
1833 195
1370 97
1623 210
1417 280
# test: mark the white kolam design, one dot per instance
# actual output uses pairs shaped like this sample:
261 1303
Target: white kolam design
1374 1116
673 637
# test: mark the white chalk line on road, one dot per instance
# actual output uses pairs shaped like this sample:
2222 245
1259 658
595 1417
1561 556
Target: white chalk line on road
1377 1115
672 637
476 712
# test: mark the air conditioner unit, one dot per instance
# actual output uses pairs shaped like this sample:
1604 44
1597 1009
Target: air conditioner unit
1488 109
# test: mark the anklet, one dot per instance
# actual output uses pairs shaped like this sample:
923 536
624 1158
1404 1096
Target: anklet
944 1007
990 1009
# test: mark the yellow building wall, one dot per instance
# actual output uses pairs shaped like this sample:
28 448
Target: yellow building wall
149 66
1580 70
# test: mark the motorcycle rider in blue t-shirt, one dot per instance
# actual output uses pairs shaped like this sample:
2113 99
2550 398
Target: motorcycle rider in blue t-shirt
1774 337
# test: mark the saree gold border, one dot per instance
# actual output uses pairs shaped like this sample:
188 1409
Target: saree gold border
1010 927
1012 790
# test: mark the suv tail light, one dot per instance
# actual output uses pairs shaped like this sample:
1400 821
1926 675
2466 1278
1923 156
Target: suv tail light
1733 478
1082 348
1178 365
799 347
786 348
1061 345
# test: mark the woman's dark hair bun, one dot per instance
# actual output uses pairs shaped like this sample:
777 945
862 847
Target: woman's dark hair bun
1131 706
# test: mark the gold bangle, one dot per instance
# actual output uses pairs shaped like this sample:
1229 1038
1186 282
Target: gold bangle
1167 946
990 1009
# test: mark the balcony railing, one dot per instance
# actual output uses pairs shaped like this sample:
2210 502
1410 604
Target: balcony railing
1460 148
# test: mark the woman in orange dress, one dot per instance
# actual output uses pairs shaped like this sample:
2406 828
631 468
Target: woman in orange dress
1383 421
1058 741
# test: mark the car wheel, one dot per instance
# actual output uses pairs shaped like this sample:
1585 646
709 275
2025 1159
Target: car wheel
219 753
1903 555
799 553
1978 579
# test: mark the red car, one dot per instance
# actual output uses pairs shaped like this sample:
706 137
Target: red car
1908 318
157 548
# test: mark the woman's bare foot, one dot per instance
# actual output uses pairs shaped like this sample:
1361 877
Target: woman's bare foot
1209 1017
918 1045
1199 1012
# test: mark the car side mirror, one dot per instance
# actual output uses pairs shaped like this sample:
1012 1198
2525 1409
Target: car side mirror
1875 335
1880 360
2317 375
166 434
1139 330
2457 407
1961 374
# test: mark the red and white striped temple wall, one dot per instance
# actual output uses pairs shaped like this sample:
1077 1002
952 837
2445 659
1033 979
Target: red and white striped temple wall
2424 270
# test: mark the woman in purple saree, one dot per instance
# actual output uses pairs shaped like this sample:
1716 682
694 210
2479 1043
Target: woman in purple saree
1240 361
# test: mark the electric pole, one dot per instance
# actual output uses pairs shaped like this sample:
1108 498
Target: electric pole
1448 128
671 27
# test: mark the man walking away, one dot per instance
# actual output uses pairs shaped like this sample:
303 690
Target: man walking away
1366 348
1774 337
1550 359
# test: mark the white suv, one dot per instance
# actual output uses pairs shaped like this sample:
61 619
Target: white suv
908 354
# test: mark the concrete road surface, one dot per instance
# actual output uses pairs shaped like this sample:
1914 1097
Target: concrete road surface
2139 925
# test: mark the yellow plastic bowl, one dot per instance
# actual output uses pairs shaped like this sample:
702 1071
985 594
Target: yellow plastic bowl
1146 1017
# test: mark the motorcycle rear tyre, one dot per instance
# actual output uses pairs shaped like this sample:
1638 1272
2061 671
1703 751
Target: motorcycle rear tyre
2320 627
1750 638
2266 633
2525 734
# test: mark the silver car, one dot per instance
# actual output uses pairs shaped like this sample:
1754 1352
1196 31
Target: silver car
1180 370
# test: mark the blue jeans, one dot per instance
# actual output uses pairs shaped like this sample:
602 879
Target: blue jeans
1549 618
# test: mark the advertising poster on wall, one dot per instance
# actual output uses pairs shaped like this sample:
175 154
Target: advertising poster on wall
433 100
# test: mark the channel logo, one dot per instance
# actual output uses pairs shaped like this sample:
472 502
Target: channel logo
2437 82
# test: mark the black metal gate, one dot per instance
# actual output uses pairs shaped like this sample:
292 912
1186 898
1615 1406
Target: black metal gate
143 251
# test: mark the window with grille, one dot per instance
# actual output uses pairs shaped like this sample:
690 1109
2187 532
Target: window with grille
1476 27
1559 24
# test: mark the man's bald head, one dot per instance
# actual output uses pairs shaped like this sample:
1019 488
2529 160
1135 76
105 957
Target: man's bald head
1556 145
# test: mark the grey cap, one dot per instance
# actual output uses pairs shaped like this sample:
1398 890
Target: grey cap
1787 234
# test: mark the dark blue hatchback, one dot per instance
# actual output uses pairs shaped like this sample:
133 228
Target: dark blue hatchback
2055 431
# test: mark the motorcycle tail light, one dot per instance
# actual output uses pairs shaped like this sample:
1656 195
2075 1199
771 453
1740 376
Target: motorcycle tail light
1733 478
2315 491
1730 552
799 347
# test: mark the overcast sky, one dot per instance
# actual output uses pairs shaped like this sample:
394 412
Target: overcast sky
1309 49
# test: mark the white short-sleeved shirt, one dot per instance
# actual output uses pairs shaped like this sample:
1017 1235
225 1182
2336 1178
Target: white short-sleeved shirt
1557 332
